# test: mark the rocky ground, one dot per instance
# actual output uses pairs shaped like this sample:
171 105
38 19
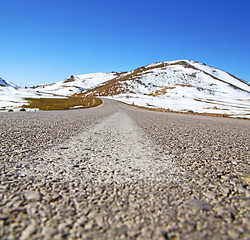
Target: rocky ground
116 172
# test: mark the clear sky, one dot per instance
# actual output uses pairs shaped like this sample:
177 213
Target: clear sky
43 41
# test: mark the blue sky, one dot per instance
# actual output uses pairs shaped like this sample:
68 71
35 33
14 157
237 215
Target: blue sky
44 41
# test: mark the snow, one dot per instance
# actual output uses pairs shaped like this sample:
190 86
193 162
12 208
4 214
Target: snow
167 85
75 107
81 82
182 89
94 79
220 74
12 98
233 108
7 83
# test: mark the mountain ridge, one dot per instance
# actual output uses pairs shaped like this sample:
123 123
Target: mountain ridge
241 80
180 85
5 83
186 63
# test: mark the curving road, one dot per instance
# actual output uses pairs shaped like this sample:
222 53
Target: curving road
119 172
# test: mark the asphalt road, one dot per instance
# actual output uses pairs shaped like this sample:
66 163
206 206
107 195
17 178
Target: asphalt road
120 172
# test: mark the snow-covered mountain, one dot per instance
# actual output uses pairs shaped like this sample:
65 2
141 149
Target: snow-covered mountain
4 83
182 86
75 84
14 98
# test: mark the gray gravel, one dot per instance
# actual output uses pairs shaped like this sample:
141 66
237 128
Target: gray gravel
116 172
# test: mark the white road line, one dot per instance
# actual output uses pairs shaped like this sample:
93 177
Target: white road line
116 150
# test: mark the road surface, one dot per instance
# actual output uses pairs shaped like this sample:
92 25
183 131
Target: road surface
120 172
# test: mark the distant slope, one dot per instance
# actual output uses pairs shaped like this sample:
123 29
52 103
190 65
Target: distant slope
180 86
13 97
183 86
148 79
221 75
75 84
4 83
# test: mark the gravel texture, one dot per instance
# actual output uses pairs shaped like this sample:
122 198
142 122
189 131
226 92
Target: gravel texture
116 172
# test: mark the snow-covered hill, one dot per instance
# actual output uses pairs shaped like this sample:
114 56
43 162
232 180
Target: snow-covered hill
4 83
75 84
12 97
182 86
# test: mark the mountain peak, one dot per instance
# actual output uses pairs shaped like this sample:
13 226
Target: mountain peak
180 85
4 83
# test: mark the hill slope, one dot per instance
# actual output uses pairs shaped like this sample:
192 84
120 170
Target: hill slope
184 86
180 86
4 83
75 84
